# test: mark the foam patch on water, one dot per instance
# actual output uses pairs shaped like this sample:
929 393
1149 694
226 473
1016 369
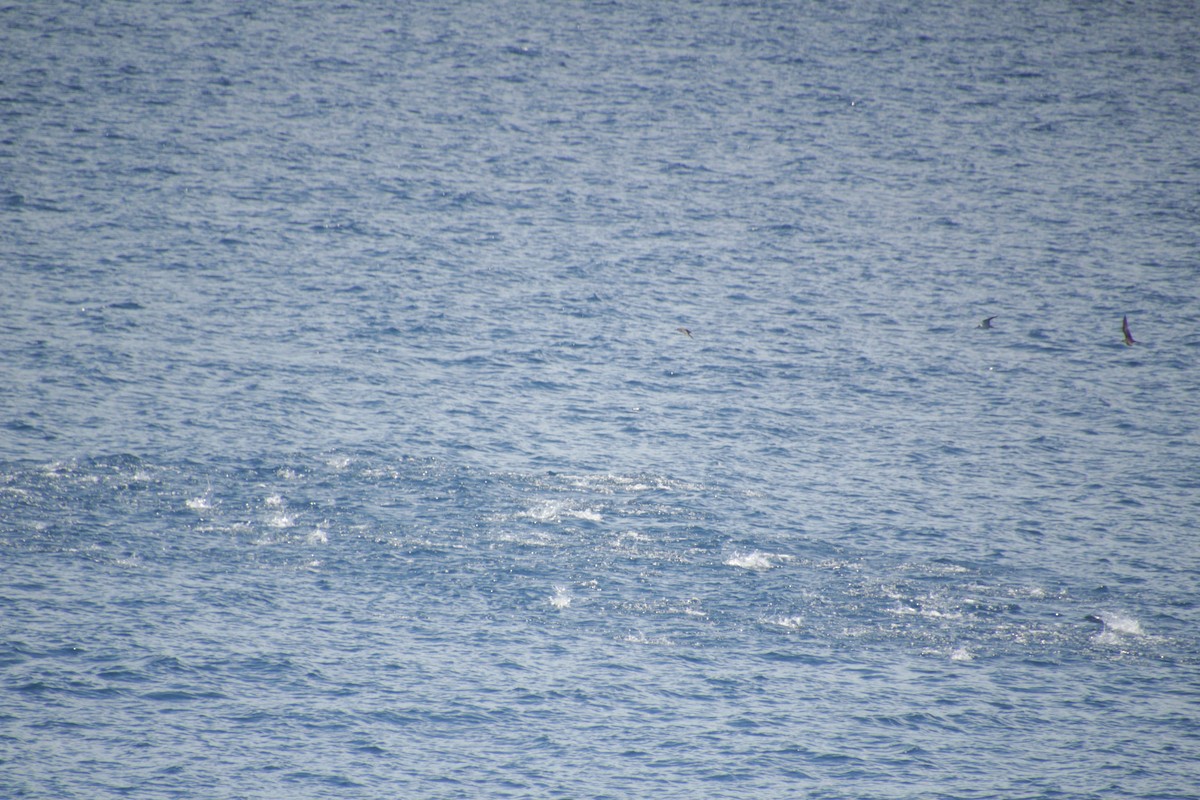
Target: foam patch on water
527 538
641 638
281 520
557 510
756 560
1117 627
561 598
1119 623
202 503
613 484
787 623
924 611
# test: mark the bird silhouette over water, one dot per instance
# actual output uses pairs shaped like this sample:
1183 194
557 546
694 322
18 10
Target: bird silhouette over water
685 330
987 323
1129 340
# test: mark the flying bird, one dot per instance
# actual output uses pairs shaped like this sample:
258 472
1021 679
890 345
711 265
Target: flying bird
685 330
987 323
1129 340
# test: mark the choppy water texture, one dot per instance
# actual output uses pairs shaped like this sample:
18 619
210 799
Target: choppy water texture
350 447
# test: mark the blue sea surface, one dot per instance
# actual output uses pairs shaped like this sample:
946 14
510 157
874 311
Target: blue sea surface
590 400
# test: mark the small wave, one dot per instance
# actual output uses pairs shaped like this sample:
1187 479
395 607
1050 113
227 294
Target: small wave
641 638
556 510
1120 623
609 483
788 623
923 611
202 503
756 560
281 520
535 538
1116 627
561 598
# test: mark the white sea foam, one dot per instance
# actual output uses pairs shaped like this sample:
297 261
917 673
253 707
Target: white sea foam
961 654
756 560
557 510
274 501
611 484
1116 628
641 638
527 538
924 611
790 623
561 598
202 503
1120 623
317 536
281 520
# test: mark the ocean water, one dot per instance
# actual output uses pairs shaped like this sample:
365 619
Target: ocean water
350 446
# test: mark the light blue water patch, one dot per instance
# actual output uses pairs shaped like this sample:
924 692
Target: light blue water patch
591 401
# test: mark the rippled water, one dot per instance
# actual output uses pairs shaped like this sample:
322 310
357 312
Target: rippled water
350 445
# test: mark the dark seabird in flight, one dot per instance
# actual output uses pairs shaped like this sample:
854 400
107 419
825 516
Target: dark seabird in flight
685 330
987 323
1129 340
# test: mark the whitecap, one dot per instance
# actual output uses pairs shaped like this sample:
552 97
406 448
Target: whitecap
317 536
1116 626
526 538
906 610
790 623
755 560
281 520
961 654
1120 623
561 598
555 510
202 503
641 638
548 511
